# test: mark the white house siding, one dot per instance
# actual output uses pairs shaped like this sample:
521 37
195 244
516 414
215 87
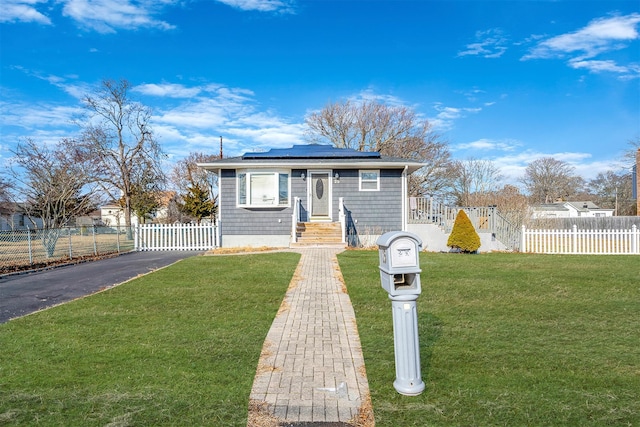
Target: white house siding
113 216
570 210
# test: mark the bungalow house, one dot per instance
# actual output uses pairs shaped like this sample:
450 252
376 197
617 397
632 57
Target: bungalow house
310 194
570 210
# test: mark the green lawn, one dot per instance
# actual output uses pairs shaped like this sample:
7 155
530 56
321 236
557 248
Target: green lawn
508 339
176 347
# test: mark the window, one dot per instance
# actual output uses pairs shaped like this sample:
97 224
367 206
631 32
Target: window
263 188
369 180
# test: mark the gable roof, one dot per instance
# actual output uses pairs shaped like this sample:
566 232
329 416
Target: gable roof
313 156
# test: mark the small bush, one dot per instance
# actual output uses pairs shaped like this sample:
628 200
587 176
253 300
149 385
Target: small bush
463 236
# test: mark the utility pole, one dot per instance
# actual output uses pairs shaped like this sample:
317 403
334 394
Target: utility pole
637 182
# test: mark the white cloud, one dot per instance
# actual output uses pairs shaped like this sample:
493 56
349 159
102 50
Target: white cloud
196 124
600 36
261 5
22 11
597 66
489 44
487 145
447 115
37 116
169 90
513 165
75 89
105 16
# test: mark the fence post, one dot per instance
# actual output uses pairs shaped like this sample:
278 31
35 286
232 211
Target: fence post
30 250
523 239
574 239
95 247
70 244
635 237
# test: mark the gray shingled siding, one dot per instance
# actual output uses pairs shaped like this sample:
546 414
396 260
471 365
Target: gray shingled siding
249 221
375 211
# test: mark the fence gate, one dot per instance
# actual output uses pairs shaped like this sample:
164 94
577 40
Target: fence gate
175 237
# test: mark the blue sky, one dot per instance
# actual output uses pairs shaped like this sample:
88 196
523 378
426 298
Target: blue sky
509 81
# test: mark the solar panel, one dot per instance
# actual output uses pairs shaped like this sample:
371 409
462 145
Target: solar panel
312 151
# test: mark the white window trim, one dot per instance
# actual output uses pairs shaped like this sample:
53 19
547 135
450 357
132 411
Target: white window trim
377 172
248 173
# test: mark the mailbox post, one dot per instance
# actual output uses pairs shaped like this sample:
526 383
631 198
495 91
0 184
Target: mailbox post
400 277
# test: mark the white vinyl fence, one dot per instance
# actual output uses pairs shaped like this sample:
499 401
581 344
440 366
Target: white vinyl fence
175 237
574 241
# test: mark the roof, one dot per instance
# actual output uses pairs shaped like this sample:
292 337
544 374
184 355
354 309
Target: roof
312 151
313 156
551 207
564 206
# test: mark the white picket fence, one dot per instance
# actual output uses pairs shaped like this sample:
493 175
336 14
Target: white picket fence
175 237
574 241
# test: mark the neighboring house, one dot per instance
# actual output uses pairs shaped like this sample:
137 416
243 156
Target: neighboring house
13 217
91 219
271 198
112 215
161 214
570 210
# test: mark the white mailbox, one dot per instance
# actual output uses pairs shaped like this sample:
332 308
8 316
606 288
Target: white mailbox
399 253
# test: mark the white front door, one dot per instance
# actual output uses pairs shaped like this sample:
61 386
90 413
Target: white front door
320 195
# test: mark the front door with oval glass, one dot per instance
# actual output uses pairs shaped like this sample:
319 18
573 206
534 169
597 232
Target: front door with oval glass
320 195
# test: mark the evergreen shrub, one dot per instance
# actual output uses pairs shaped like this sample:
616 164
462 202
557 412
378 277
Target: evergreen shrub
463 236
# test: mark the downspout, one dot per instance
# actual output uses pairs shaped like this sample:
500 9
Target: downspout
404 198
219 213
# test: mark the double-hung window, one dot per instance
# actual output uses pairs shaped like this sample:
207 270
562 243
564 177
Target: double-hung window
369 180
263 188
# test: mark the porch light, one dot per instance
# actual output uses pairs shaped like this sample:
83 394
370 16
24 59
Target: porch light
337 177
303 176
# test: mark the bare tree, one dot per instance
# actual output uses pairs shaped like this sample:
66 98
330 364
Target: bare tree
120 136
475 182
7 208
547 180
146 192
197 188
394 131
5 192
613 191
629 156
512 204
54 184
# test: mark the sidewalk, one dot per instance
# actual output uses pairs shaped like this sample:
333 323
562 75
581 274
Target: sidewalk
311 370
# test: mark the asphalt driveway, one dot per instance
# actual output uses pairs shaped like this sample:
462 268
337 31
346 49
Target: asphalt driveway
25 293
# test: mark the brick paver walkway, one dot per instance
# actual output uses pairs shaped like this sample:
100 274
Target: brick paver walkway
311 371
